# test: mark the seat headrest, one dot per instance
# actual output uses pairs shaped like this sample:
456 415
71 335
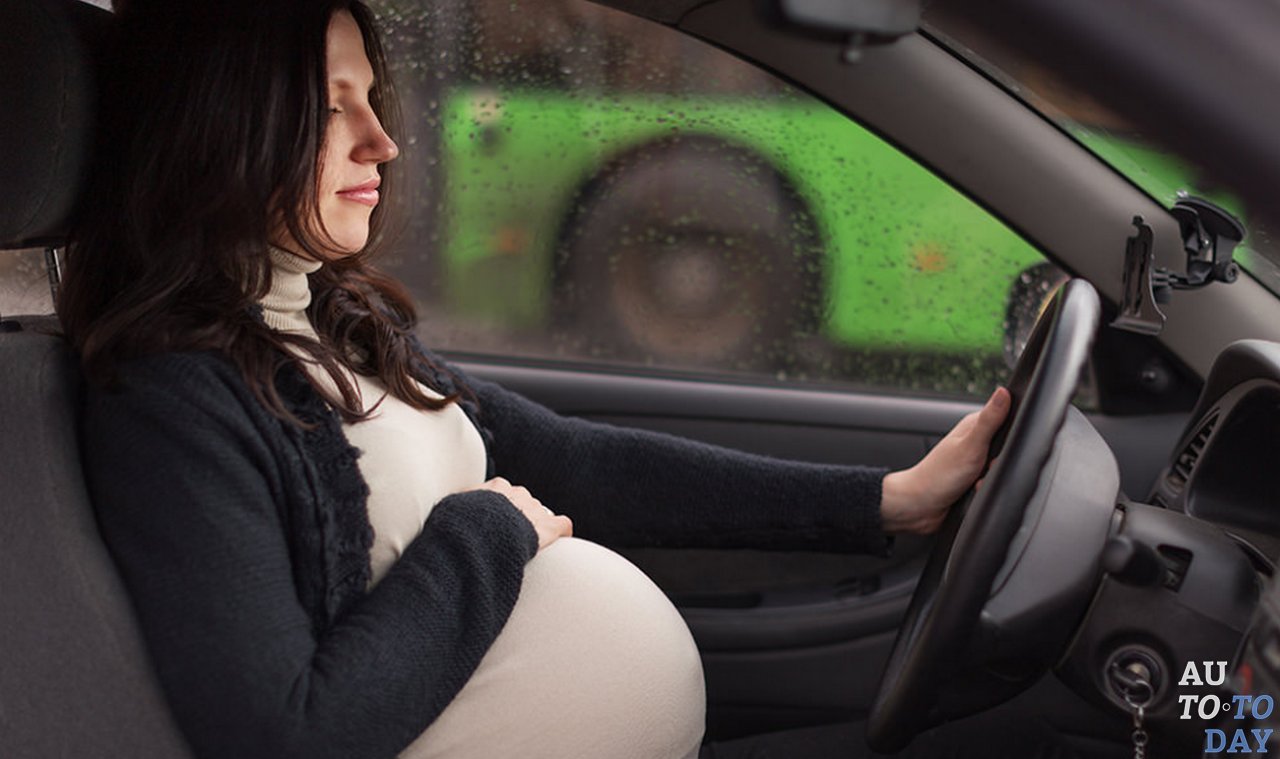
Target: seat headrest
47 66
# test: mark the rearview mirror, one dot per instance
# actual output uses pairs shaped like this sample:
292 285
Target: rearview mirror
860 22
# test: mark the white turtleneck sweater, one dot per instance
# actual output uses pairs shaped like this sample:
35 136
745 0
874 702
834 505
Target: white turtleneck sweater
403 482
594 661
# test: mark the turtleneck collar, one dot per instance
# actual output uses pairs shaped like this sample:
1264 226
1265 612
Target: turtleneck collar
284 307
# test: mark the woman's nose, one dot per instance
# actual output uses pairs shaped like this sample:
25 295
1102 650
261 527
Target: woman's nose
378 146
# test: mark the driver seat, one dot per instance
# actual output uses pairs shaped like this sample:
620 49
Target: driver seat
76 680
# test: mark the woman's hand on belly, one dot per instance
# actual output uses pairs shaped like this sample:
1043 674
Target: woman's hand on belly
549 525
594 661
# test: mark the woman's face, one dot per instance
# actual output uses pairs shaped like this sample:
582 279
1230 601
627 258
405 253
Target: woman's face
355 143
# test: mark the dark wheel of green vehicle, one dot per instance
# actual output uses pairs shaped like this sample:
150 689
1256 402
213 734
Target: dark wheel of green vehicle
688 251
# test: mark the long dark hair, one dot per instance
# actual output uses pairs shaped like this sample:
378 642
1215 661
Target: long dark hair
212 124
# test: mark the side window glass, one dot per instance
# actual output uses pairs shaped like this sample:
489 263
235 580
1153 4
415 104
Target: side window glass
592 188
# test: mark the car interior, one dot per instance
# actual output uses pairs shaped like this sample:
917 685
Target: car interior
1109 548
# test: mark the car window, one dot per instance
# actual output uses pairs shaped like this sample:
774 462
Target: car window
592 188
1160 173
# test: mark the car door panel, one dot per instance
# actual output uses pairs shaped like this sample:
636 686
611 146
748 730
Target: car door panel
823 623
785 688
790 637
808 425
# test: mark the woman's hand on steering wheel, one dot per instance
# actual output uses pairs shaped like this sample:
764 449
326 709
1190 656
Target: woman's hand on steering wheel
916 500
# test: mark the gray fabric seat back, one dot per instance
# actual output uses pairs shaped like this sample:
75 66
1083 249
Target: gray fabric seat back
75 680
74 677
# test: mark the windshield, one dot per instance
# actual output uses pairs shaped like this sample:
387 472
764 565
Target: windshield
1118 142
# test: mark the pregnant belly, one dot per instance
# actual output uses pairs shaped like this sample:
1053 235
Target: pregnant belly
593 662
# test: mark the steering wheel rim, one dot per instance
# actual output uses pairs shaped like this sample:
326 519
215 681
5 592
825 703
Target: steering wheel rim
974 540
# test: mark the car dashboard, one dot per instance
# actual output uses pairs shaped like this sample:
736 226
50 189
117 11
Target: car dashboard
1187 580
1225 469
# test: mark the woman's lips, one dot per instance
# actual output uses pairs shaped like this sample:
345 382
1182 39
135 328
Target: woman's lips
365 194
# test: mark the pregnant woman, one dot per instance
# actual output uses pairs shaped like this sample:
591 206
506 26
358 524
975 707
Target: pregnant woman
338 545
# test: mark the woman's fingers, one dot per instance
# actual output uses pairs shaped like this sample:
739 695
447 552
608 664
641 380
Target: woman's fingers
549 525
916 499
993 414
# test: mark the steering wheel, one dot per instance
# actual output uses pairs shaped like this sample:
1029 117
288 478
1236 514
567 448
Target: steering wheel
974 541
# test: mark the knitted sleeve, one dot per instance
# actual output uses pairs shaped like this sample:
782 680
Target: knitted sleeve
627 487
186 484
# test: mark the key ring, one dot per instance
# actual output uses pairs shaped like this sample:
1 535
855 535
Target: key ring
1139 703
1140 737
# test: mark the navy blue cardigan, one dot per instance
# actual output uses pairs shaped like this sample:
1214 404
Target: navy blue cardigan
244 543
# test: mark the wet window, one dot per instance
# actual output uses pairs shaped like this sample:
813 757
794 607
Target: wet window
591 188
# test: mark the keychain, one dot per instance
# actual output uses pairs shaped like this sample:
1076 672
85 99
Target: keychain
1140 736
1133 684
1139 706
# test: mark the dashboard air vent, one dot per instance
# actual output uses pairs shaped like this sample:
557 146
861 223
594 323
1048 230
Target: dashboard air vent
1185 463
